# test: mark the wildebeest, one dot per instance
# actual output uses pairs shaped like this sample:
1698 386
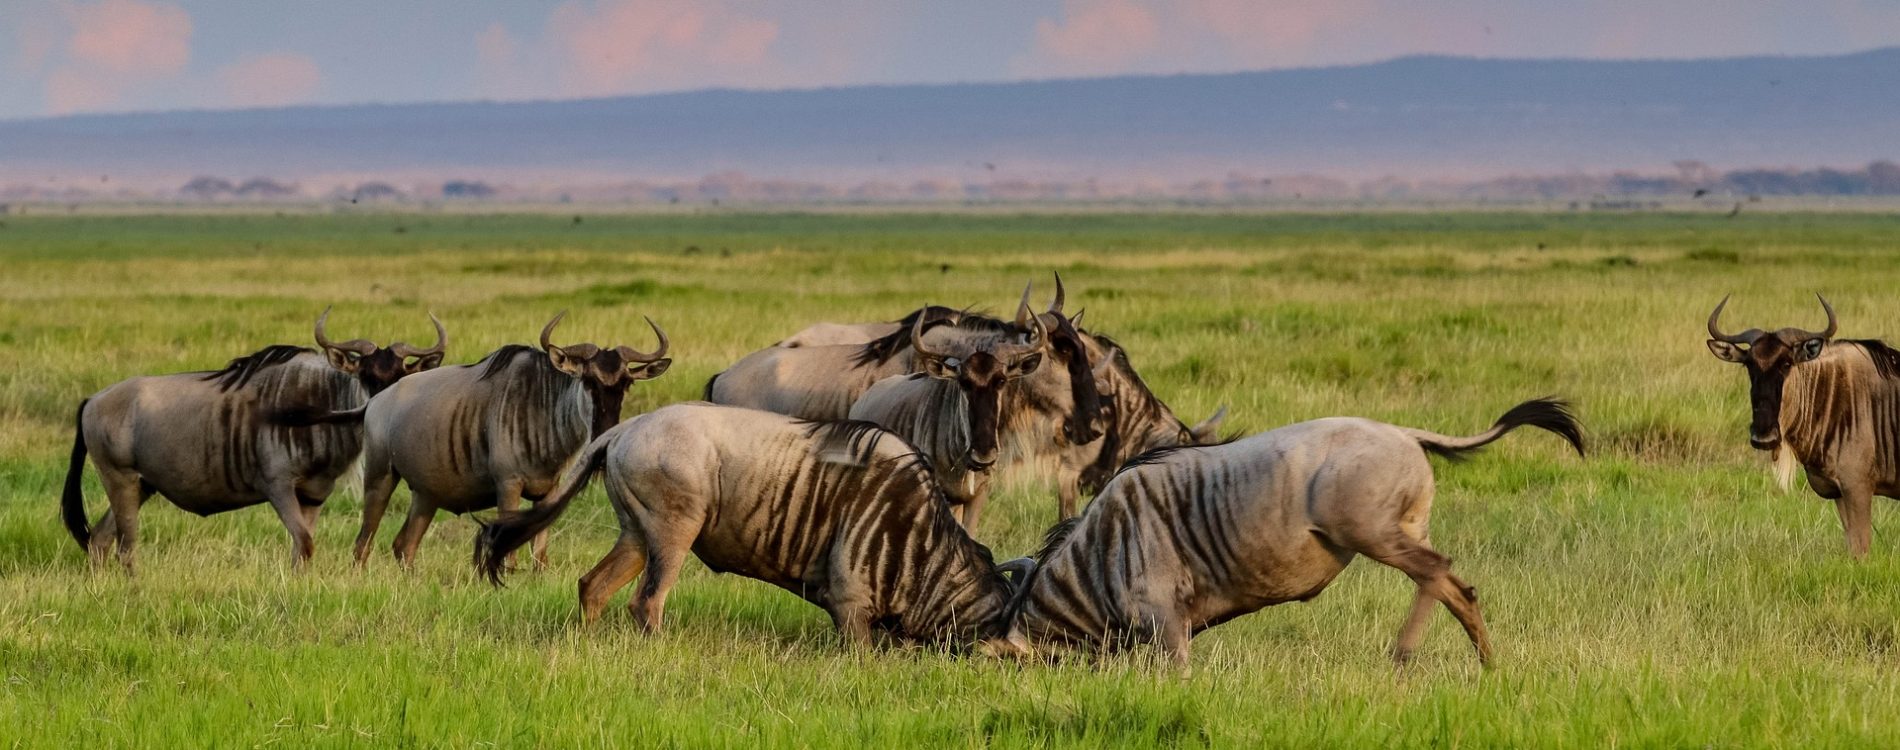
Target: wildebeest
843 514
954 409
1186 538
1833 405
1133 421
203 440
489 434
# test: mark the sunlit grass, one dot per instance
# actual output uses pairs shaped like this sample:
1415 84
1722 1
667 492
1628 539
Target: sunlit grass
1661 593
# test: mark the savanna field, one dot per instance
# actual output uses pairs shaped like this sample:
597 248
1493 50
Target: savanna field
1660 592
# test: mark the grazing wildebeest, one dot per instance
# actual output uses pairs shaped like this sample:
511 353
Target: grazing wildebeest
489 434
1186 538
955 408
843 514
204 441
1133 421
859 334
1832 405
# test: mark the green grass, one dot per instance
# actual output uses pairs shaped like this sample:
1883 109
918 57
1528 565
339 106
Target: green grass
1661 593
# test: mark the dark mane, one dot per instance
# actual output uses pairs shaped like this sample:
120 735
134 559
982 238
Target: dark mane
499 359
1886 359
242 369
883 348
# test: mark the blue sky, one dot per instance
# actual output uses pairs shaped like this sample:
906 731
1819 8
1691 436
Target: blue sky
70 56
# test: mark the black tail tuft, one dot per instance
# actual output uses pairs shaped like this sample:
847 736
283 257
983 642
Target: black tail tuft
707 395
1549 413
72 505
305 415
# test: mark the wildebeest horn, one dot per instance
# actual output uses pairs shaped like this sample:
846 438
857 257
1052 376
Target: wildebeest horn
548 330
1031 326
354 345
1832 324
1076 319
1055 306
1017 570
1745 337
632 355
1023 315
917 339
441 342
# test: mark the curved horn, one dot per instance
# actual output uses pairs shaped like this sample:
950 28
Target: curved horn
1055 306
633 355
323 340
548 330
1832 323
1023 315
441 342
1715 330
1076 319
917 339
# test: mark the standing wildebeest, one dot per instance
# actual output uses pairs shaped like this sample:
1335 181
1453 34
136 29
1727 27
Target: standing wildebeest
489 434
203 440
1834 406
955 408
1187 538
822 382
842 514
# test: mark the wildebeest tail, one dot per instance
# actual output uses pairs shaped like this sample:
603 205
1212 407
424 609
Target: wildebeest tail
1549 414
306 415
72 504
508 532
707 395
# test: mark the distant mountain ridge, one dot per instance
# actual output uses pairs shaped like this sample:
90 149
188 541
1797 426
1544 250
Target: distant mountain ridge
1416 117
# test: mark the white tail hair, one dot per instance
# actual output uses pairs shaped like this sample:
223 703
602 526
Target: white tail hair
1784 466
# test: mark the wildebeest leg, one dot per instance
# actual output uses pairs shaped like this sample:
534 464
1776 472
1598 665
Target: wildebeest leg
1171 637
377 487
666 554
1413 630
421 514
973 509
124 494
309 512
1856 509
283 499
1432 572
621 564
508 500
1068 489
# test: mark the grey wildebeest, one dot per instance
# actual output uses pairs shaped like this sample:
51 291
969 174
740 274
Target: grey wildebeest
490 434
1832 405
1186 538
823 382
956 408
842 514
205 440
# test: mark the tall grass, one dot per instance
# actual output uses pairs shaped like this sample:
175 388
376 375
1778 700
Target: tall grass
1659 593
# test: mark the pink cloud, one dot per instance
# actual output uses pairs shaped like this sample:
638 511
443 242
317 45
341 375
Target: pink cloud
620 46
1094 36
273 80
130 37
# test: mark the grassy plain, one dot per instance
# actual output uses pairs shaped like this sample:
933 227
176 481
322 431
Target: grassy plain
1660 593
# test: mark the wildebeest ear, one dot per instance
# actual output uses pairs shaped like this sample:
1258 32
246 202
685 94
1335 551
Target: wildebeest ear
1205 432
424 362
1726 351
342 359
1026 365
940 367
573 366
1809 349
651 371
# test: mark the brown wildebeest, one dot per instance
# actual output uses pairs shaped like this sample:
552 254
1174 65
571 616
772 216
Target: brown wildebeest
1187 538
842 514
207 441
1832 405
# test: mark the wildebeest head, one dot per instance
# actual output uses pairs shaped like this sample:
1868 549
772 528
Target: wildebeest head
1768 356
606 373
982 373
1084 423
380 367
